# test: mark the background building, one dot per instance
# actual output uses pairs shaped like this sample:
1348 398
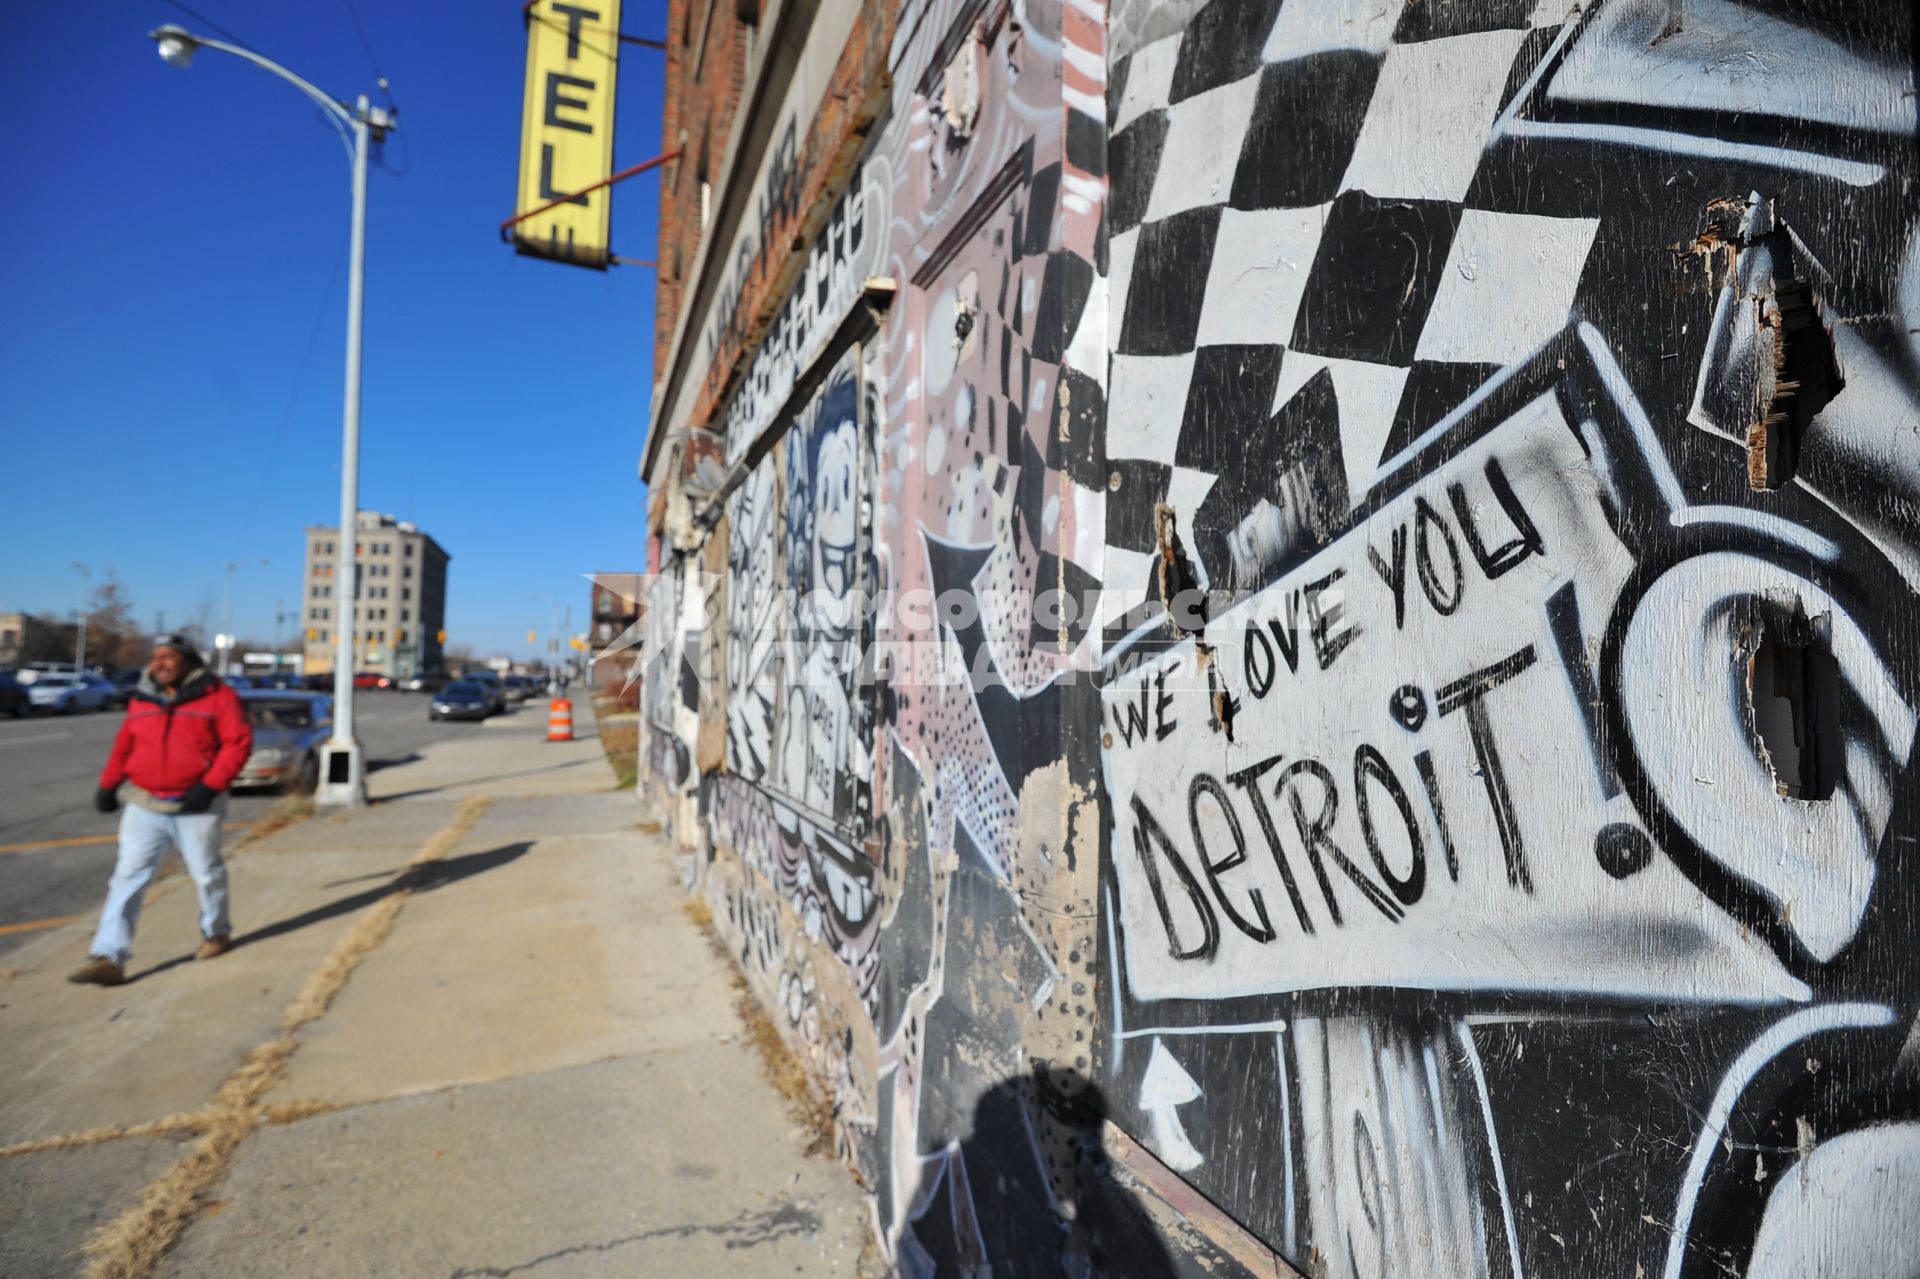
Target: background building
614 611
403 597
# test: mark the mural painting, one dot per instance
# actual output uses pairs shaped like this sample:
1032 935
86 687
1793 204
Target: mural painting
1332 684
1511 825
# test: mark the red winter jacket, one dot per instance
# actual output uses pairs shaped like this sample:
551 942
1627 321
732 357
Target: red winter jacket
164 747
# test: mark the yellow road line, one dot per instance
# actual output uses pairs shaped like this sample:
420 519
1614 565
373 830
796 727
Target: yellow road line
79 841
38 844
7 930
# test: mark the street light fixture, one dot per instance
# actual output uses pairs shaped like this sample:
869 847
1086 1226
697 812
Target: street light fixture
343 767
176 46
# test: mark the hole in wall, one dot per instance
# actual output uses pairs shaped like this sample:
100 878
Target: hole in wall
1793 689
1805 379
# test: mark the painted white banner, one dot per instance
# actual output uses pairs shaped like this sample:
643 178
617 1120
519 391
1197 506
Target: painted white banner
1412 793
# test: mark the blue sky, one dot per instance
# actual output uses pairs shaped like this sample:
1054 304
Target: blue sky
172 333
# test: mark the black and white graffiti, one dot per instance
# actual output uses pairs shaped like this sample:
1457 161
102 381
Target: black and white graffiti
823 738
1514 817
753 524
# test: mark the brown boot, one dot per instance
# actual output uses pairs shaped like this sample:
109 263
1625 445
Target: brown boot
97 971
214 947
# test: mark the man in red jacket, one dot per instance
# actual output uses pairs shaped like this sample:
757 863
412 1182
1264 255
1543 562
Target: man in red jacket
183 742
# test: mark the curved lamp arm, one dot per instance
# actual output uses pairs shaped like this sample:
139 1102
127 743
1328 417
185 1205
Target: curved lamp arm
177 46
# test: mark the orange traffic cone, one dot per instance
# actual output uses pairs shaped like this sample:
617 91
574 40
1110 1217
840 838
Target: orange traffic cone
560 720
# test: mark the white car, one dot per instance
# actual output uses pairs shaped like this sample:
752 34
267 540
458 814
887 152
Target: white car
65 694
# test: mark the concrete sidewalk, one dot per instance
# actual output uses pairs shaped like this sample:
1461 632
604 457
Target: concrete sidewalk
534 1065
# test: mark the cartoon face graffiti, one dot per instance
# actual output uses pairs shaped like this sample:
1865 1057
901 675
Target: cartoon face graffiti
836 496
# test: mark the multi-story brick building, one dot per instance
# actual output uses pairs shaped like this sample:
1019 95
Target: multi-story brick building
402 609
613 611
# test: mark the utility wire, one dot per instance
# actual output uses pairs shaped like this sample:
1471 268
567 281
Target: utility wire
373 60
215 27
299 380
367 44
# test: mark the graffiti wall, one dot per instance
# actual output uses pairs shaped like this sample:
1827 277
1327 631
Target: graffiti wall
1512 839
1315 644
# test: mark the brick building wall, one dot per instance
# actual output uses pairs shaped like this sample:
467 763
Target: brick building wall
707 48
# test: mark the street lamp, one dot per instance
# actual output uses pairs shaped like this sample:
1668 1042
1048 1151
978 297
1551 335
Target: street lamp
226 643
343 768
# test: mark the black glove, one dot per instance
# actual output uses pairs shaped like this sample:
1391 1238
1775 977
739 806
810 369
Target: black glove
106 799
199 799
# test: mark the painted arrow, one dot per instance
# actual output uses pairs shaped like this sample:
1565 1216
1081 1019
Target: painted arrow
1163 1089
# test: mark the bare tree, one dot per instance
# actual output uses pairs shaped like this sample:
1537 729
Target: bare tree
113 637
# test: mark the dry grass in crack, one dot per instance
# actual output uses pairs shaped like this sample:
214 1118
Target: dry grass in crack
372 927
621 742
191 1121
807 1106
292 1112
130 1245
290 811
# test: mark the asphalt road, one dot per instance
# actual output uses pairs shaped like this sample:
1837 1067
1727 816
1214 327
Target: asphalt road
56 852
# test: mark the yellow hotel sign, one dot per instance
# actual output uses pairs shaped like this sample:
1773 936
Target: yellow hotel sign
566 133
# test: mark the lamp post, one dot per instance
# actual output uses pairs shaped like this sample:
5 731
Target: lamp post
226 617
343 768
80 626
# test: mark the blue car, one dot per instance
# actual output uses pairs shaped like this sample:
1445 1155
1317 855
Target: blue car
66 694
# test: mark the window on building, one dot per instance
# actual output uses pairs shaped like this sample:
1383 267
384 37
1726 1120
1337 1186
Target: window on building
404 615
606 601
406 592
409 550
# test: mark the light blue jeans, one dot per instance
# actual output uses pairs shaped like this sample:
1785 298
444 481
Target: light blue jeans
144 837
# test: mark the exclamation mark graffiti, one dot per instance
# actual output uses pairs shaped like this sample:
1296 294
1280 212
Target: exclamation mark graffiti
1621 847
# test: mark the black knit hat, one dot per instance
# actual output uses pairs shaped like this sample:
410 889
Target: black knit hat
183 646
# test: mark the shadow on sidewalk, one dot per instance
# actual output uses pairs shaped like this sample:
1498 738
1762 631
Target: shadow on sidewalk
423 878
476 781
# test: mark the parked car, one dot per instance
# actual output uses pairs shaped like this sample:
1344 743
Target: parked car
462 699
238 682
521 687
65 694
491 683
423 682
13 697
321 683
372 679
33 672
124 682
279 679
288 729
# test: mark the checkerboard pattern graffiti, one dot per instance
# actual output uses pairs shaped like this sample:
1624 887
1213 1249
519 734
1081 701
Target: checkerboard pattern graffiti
1313 259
